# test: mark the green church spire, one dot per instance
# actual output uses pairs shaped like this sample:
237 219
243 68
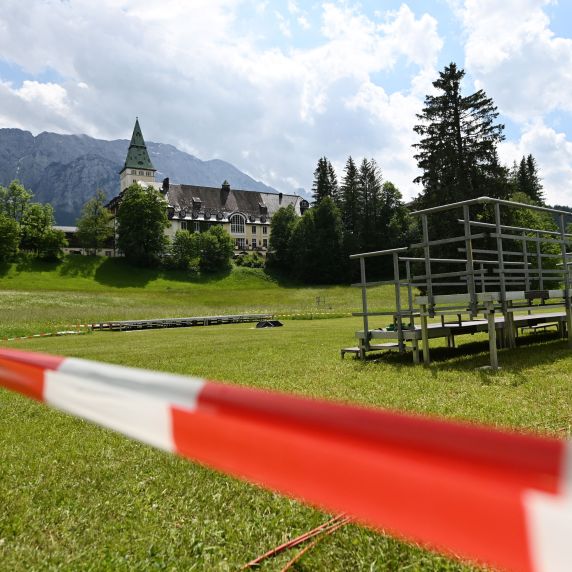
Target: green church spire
137 156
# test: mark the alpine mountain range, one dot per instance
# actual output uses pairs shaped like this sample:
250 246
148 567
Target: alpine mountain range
67 170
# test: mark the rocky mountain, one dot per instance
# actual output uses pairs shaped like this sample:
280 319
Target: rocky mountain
66 170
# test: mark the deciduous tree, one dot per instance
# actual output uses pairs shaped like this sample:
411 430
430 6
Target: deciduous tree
9 238
94 226
141 223
14 200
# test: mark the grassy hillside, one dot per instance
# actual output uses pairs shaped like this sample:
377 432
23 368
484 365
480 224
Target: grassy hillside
38 296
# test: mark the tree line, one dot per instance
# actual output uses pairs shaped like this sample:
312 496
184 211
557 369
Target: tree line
361 213
457 154
27 226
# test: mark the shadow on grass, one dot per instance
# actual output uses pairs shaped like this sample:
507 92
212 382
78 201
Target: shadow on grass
84 266
116 272
532 350
4 268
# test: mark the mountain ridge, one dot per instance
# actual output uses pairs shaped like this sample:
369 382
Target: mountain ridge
67 170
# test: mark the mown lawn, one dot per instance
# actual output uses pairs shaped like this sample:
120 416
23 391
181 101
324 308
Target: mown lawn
77 497
38 296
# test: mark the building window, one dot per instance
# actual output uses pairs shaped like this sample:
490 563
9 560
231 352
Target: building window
254 244
184 225
133 172
140 172
237 224
265 242
239 243
265 229
254 230
108 253
197 226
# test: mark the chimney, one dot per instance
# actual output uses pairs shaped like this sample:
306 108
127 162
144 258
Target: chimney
165 185
224 192
280 195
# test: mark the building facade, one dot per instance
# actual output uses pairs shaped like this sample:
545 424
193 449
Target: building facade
246 215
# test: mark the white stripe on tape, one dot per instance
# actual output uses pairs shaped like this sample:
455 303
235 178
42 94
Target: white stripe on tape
176 389
141 416
549 525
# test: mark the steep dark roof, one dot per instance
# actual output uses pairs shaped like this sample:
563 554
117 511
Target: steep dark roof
137 156
192 198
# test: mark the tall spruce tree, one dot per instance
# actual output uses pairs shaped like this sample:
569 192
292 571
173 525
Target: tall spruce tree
325 182
524 178
369 192
350 197
457 151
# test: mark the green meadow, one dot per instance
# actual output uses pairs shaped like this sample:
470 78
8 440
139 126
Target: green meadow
78 497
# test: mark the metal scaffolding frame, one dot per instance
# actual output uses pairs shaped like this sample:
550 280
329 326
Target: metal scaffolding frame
503 271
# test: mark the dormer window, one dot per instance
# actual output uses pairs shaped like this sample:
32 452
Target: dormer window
263 208
196 202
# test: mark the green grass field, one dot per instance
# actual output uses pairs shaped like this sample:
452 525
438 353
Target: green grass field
78 497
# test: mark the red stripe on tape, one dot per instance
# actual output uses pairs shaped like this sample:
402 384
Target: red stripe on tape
528 460
22 377
455 511
45 361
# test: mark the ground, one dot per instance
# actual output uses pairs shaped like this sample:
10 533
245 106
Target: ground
77 497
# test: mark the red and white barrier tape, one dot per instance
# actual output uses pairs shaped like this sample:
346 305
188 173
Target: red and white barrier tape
43 335
494 497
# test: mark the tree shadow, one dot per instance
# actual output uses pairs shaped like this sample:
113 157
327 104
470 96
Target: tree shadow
5 268
84 266
31 263
116 272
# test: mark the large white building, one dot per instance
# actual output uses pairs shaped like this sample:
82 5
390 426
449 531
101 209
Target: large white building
246 215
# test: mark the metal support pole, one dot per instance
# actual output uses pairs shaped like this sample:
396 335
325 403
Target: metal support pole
409 292
492 335
483 282
508 322
364 307
425 335
469 265
427 255
539 263
399 320
566 281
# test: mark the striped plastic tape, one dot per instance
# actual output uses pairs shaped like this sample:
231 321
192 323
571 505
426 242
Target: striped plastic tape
498 498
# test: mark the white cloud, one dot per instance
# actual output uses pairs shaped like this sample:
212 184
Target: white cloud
198 78
513 54
511 49
49 95
553 153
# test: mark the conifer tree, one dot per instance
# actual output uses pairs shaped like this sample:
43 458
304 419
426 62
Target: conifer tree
369 192
457 151
350 197
325 181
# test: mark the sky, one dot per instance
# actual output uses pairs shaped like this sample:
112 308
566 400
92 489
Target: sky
271 86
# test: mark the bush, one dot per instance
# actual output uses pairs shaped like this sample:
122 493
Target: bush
217 248
251 260
186 251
